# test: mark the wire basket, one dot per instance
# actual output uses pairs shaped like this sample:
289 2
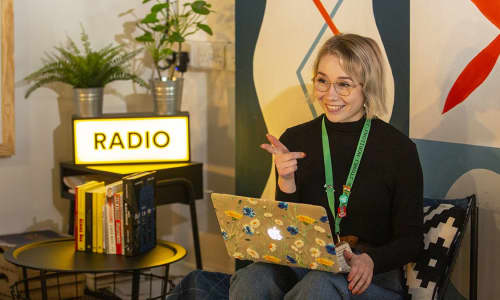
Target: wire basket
109 286
58 286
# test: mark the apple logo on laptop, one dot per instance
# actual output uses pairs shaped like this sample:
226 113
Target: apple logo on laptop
274 233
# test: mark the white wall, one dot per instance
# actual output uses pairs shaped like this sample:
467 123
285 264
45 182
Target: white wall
29 180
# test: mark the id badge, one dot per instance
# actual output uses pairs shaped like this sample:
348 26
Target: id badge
341 211
339 249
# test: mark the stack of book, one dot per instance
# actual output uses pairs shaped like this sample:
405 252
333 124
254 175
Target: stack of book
116 218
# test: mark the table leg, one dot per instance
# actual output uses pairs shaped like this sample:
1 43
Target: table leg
196 238
26 286
135 284
71 217
165 282
44 285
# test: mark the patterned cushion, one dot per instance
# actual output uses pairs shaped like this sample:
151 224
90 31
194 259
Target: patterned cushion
442 222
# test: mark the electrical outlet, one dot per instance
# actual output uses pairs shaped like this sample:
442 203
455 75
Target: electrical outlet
207 55
218 55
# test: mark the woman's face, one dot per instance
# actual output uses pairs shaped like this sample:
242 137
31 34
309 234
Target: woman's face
338 108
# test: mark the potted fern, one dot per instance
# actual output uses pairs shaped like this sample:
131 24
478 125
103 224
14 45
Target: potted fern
164 30
87 71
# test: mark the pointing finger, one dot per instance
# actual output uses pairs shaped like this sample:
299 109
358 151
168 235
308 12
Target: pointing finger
268 147
277 144
293 155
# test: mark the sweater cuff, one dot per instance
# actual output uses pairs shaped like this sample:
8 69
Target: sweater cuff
377 259
287 197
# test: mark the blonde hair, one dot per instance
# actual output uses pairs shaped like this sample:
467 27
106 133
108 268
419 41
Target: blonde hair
361 58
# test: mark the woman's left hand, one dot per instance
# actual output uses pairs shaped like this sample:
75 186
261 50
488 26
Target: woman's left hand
361 273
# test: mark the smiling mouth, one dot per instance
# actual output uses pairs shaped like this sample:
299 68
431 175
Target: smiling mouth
334 108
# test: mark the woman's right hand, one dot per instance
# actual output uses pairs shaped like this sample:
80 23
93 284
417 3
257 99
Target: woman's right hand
285 161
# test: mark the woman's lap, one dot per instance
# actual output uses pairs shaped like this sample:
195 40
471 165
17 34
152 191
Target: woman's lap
202 285
261 281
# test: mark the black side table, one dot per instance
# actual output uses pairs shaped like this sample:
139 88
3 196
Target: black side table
59 255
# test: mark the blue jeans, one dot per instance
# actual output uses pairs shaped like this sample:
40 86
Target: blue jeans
202 285
268 281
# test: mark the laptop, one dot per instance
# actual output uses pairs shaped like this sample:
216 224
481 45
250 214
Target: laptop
285 233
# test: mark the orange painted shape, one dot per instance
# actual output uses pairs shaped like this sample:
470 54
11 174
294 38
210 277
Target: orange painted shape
490 9
473 75
326 16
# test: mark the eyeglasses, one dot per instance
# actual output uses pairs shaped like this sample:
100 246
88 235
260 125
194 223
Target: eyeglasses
342 87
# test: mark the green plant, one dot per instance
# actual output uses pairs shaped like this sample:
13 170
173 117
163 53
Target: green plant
168 24
84 68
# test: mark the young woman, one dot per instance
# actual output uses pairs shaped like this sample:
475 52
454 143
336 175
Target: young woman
364 172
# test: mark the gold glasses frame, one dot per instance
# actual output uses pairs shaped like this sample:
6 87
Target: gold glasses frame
339 89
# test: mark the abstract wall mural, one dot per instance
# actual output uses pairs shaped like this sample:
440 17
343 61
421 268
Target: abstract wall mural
454 115
481 65
250 126
442 74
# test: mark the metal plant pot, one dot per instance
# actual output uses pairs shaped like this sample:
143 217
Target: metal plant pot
88 102
167 96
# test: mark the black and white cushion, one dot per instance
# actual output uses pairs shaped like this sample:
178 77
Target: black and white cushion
442 222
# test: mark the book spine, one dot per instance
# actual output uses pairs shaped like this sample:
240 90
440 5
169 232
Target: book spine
94 223
153 214
99 223
111 190
139 219
127 219
131 213
147 220
138 223
105 245
118 222
105 234
121 222
81 219
88 221
75 219
110 225
102 221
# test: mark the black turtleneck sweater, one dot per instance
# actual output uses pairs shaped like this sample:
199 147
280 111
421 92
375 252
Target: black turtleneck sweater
385 205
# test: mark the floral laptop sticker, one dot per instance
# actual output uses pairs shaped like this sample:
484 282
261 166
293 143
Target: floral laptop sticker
292 234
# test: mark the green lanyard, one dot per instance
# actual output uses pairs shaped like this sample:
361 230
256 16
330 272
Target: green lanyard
344 198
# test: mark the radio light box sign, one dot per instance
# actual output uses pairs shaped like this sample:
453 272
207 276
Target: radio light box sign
131 140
